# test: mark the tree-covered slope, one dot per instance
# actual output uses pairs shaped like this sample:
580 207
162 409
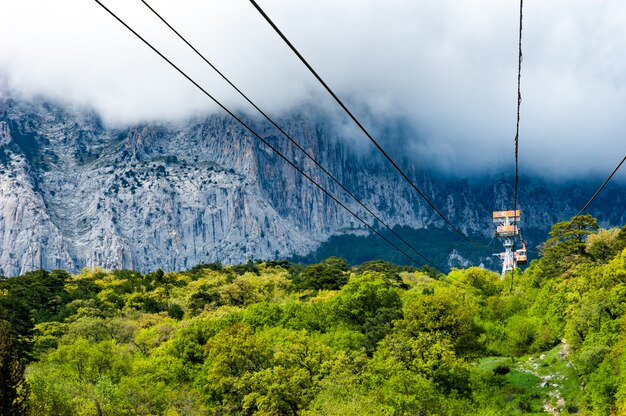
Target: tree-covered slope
274 338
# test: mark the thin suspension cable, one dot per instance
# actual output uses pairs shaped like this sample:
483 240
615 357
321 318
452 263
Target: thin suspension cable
595 195
358 123
289 137
519 102
255 134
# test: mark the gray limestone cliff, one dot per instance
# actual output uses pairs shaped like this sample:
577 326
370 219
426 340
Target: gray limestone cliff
74 193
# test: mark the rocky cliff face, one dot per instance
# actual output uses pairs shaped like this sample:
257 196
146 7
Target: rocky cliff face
74 193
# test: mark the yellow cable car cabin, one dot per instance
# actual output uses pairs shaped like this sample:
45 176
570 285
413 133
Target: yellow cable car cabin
520 255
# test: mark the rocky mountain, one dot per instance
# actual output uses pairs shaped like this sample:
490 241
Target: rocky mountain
75 193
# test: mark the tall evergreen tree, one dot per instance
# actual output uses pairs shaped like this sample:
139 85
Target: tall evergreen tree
12 385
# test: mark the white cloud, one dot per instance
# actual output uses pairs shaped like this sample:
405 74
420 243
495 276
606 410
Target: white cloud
449 67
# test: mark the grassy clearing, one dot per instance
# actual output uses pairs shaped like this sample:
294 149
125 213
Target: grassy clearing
533 384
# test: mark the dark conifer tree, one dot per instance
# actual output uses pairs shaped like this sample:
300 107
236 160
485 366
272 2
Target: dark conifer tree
12 384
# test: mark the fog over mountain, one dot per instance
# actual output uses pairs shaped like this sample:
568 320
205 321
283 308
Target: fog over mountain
447 69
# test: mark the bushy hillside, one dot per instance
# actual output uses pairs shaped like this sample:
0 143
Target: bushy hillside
274 338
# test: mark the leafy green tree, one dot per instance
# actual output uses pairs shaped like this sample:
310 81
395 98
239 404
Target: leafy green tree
576 230
289 383
176 311
602 387
486 281
233 355
47 335
34 297
364 297
190 341
83 286
337 263
521 334
331 274
371 305
249 267
250 288
430 355
620 241
86 361
389 270
158 276
603 245
51 392
312 316
277 391
155 301
210 266
449 312
203 298
566 246
263 315
17 314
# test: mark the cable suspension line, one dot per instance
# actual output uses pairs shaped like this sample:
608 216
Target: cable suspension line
257 135
359 124
519 102
288 136
594 195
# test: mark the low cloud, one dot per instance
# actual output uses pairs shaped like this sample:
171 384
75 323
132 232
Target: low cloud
447 68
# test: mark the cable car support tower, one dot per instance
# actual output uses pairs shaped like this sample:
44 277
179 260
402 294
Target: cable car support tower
506 221
508 231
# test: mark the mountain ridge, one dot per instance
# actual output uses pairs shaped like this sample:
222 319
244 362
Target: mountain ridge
75 193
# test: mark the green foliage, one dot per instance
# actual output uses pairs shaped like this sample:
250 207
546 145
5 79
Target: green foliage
249 267
521 335
370 304
449 312
431 355
13 390
277 338
620 241
331 274
603 246
487 282
566 246
575 230
210 266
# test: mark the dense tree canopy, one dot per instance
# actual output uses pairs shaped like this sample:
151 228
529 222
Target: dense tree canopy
275 338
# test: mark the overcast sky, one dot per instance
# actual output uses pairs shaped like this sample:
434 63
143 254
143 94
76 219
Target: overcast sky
448 67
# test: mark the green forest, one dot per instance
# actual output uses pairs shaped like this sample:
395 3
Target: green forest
279 338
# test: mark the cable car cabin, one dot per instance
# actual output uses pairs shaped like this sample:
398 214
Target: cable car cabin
520 257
